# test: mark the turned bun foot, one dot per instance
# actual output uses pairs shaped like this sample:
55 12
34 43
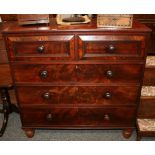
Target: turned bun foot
29 132
127 133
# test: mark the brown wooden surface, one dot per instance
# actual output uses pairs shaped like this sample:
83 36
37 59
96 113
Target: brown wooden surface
2 45
149 76
3 57
98 47
147 107
148 20
13 27
8 17
32 18
13 17
77 86
54 47
5 76
78 95
78 117
86 73
3 53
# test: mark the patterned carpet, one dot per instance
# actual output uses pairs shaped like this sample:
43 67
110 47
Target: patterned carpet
15 133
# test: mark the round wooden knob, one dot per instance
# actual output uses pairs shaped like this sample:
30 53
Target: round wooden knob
106 117
43 74
40 49
111 48
109 74
47 95
77 68
49 117
107 95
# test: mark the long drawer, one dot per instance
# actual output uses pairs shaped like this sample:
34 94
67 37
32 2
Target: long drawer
94 73
106 95
78 117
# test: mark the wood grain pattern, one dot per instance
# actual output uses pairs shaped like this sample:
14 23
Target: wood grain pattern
85 88
98 47
149 76
146 108
78 95
86 73
148 20
54 47
78 117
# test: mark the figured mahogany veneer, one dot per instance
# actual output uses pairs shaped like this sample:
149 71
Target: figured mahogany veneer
98 95
111 47
78 117
54 47
77 76
85 73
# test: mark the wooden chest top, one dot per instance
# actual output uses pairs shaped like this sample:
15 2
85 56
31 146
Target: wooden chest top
13 27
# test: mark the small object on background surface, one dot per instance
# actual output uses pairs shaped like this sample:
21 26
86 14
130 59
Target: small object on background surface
26 19
70 19
150 61
0 19
74 19
148 91
114 20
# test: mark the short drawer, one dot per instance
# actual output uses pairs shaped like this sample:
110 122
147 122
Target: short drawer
78 117
86 73
113 47
106 95
53 47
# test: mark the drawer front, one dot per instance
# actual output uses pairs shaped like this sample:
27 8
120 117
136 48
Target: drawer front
114 95
54 47
78 117
94 73
110 47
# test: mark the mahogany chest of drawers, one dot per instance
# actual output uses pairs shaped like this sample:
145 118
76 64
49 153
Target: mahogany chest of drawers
77 77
